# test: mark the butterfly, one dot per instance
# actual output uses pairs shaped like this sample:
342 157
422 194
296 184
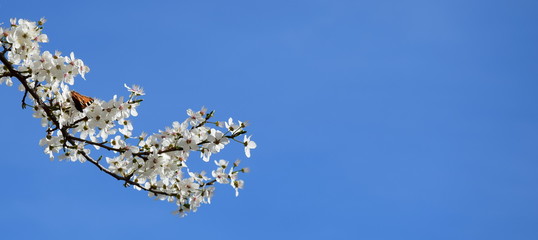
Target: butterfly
80 100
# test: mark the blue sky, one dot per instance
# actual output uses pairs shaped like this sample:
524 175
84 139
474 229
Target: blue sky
374 119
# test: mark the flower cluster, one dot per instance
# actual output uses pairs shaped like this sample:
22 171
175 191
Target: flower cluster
76 126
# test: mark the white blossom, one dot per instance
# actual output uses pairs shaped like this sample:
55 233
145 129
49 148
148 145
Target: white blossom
156 163
249 144
135 89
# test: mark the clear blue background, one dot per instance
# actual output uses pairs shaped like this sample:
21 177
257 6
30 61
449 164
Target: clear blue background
374 119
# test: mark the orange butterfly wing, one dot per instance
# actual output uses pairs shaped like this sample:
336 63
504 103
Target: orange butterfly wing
80 100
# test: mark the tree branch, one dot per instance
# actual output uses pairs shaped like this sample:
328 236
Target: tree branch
96 144
67 136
